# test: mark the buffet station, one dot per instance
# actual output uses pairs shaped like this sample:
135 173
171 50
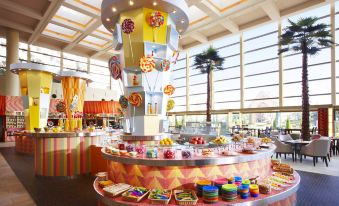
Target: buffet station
147 166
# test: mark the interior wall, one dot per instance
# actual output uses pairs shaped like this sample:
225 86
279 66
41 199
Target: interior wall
92 94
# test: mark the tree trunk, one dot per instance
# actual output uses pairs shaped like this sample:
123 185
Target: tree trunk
208 103
305 125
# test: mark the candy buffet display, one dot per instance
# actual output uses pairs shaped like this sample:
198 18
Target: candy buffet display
116 189
160 197
135 194
185 197
197 140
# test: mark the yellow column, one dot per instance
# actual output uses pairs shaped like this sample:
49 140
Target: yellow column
9 83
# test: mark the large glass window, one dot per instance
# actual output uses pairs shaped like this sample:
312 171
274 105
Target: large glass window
261 67
44 56
178 79
74 62
100 75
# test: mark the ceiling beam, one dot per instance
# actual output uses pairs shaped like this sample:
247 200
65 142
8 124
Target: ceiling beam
20 9
16 26
78 9
88 31
206 7
230 25
99 53
271 9
49 13
199 37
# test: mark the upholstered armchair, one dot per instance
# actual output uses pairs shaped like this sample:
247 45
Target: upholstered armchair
317 148
282 148
284 137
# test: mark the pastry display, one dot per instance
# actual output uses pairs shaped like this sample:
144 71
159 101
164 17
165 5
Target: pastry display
220 140
117 189
210 194
285 168
135 194
105 183
185 197
160 197
229 192
197 140
237 138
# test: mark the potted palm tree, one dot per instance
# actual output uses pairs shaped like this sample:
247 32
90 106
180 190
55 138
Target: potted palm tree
306 36
207 62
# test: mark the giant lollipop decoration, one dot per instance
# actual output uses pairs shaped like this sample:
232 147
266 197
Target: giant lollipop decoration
134 99
128 28
123 102
170 105
147 64
114 67
169 90
156 20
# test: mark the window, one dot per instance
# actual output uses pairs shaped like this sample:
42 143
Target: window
44 56
74 62
178 79
100 75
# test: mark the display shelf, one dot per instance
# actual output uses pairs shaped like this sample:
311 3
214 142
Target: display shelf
195 161
284 197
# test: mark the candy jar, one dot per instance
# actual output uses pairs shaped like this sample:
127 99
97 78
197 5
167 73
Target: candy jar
169 153
151 152
121 145
187 153
130 147
140 149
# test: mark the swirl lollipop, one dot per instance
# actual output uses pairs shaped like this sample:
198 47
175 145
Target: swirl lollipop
169 90
135 99
156 19
114 67
123 102
170 104
165 65
128 27
147 64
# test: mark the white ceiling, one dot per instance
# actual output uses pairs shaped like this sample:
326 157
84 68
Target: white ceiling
74 26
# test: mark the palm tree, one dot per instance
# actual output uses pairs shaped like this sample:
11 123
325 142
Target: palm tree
307 37
208 61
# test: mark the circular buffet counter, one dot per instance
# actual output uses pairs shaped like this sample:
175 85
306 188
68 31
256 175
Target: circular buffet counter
59 153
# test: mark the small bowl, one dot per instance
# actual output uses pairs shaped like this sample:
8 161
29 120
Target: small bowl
37 129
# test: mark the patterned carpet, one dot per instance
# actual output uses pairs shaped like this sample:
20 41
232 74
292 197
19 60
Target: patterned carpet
315 189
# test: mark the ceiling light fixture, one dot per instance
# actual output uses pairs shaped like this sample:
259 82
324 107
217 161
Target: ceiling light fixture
180 30
107 19
174 11
155 3
114 9
182 21
131 3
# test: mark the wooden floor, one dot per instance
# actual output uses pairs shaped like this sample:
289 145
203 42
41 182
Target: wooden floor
12 192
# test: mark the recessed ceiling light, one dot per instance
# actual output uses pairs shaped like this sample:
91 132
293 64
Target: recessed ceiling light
155 3
174 11
107 19
182 21
131 3
114 9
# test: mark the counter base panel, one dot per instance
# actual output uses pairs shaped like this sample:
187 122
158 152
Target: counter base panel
174 177
24 144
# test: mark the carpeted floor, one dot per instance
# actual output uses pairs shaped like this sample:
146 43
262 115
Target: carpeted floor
315 189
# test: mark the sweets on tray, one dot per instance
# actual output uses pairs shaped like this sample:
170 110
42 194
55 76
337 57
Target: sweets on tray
275 162
285 168
105 183
254 190
207 152
135 194
210 194
169 153
116 189
264 187
185 197
187 153
158 196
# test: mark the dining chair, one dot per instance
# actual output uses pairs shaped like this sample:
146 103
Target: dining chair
315 149
284 137
295 136
282 148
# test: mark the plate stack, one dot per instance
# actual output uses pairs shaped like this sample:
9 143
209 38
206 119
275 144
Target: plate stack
210 194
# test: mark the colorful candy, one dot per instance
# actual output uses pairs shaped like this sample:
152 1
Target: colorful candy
169 90
229 192
128 26
200 185
158 194
147 64
186 154
141 149
114 67
254 190
123 102
135 99
156 19
165 65
169 153
130 148
210 194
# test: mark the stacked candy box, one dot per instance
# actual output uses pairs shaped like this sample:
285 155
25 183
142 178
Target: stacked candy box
243 191
200 185
135 194
237 180
229 192
210 194
160 197
185 197
254 190
219 183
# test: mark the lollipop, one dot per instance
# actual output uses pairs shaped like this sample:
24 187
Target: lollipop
147 64
169 90
128 26
60 106
156 19
123 102
135 99
114 67
170 104
165 65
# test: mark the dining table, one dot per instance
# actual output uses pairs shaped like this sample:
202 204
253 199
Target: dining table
297 144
